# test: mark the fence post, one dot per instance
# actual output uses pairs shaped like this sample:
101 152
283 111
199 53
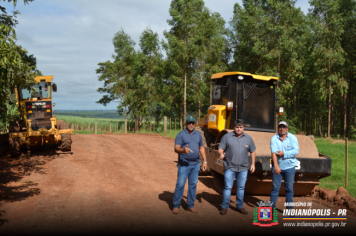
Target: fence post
110 128
150 124
165 125
346 164
96 127
125 126
89 128
117 126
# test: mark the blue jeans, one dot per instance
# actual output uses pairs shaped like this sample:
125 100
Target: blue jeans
230 176
288 176
184 172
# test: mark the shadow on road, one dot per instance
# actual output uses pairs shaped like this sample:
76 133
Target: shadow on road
216 199
12 171
168 198
2 221
207 181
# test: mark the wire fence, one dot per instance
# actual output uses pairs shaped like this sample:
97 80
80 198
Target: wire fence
168 126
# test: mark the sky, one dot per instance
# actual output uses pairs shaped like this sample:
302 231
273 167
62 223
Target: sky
70 37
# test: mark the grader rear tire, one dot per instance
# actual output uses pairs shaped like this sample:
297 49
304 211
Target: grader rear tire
66 143
14 127
15 150
208 138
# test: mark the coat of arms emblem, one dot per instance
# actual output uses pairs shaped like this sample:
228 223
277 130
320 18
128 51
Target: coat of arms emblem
264 215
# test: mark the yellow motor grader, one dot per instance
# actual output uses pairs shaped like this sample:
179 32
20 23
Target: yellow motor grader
38 127
252 98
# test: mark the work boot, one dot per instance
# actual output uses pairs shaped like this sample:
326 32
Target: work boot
192 210
242 211
223 211
175 211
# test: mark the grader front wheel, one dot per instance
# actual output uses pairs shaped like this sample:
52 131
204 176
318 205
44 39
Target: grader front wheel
66 143
15 150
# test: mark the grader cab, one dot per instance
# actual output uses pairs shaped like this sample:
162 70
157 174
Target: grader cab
252 98
38 125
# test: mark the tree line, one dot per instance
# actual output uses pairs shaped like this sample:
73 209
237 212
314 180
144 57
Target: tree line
17 67
313 54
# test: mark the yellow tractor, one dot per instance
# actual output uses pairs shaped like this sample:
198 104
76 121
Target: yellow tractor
252 98
39 126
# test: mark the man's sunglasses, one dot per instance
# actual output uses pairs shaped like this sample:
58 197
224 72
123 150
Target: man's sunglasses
191 123
282 127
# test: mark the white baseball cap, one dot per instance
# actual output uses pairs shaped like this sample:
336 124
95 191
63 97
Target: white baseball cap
283 123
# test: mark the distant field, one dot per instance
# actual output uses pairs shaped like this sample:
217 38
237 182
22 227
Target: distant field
82 123
107 114
337 153
104 125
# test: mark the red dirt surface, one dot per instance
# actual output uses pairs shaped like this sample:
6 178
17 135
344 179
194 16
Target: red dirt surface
119 184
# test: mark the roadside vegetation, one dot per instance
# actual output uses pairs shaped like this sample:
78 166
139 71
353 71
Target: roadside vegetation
17 67
336 150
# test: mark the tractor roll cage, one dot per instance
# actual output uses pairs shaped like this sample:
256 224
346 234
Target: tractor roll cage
253 96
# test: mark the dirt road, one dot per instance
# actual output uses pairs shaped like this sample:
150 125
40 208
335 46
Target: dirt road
119 183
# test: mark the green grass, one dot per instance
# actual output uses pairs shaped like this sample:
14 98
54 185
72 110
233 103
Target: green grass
336 151
102 124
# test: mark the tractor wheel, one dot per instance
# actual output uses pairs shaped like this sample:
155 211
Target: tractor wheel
208 138
65 143
219 181
14 127
14 144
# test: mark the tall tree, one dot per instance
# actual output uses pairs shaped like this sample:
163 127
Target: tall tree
16 67
116 74
348 10
267 38
328 50
181 47
150 46
212 56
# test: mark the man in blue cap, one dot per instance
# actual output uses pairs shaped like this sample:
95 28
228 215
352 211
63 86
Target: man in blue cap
188 145
284 149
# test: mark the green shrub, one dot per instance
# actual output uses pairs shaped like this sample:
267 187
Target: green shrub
352 133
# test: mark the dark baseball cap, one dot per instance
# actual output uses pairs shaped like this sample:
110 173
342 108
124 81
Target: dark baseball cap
190 119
